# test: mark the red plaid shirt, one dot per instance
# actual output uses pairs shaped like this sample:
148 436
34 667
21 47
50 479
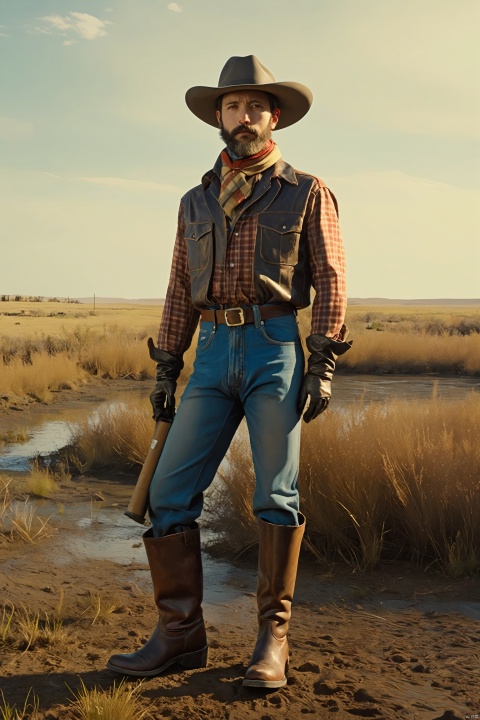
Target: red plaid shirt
232 284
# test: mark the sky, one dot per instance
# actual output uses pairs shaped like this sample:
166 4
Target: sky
97 145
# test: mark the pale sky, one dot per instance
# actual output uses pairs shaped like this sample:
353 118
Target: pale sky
97 145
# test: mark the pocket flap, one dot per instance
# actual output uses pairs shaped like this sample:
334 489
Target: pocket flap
281 222
195 231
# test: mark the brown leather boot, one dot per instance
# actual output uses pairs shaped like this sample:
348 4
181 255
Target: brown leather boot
277 570
176 567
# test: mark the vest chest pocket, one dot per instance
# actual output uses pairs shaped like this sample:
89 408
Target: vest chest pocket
199 240
279 237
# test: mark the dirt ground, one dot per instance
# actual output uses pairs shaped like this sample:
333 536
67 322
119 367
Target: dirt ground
399 642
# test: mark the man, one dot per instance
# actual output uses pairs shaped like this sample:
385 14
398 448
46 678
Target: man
252 240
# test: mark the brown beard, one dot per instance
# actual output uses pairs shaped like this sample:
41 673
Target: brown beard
242 148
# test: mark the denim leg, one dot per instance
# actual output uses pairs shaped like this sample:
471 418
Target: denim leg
246 370
201 433
274 373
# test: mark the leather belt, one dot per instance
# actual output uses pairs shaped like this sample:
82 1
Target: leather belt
244 315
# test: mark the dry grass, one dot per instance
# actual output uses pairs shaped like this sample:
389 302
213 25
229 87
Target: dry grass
415 319
26 525
394 352
38 378
18 520
53 631
8 611
47 347
31 629
385 480
411 339
389 479
98 608
43 482
14 436
29 711
5 498
116 437
119 701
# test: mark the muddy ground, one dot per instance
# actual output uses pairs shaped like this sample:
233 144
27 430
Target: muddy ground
400 642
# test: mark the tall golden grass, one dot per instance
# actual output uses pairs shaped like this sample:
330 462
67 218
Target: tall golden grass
40 377
117 437
396 479
377 481
380 481
410 339
394 352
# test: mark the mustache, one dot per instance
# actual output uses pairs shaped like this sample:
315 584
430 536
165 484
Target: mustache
243 128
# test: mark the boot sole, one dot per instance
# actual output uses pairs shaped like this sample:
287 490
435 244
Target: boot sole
264 683
189 661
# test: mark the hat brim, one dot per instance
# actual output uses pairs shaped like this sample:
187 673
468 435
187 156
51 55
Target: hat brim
294 100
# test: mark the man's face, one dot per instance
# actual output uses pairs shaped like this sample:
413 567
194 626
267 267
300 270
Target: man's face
246 122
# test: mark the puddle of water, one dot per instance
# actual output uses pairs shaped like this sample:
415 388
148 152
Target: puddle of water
47 435
378 388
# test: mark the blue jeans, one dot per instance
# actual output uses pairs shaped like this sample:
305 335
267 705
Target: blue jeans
253 371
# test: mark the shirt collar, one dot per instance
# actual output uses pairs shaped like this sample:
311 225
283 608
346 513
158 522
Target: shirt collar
285 171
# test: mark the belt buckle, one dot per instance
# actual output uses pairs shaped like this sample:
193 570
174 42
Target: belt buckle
240 313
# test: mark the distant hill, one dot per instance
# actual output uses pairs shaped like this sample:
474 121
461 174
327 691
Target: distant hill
121 301
459 302
468 302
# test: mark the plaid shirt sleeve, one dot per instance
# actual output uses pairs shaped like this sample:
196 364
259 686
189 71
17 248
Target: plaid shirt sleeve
327 262
179 318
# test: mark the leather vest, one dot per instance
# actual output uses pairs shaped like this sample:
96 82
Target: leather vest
279 201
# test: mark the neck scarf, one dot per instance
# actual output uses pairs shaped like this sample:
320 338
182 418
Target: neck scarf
238 176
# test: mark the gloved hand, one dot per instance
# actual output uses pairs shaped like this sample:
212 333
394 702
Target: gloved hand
317 383
162 396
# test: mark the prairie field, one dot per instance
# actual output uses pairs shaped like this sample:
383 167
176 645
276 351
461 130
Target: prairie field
386 606
47 347
378 480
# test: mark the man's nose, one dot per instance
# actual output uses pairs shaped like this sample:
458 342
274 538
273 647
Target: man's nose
244 118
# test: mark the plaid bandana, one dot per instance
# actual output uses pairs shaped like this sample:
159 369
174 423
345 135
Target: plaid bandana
239 176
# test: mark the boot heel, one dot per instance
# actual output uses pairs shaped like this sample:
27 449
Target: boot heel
196 659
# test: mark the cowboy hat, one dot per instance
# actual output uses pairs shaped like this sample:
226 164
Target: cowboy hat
248 73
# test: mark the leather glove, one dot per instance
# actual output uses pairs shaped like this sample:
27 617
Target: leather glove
317 383
162 396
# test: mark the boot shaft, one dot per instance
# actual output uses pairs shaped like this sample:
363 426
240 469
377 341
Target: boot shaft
279 550
176 568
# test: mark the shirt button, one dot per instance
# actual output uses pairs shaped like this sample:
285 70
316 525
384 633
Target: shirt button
232 264
284 227
236 234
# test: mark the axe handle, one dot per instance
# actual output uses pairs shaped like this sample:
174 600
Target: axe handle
139 501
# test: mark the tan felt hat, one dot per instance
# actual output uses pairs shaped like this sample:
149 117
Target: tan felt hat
248 73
